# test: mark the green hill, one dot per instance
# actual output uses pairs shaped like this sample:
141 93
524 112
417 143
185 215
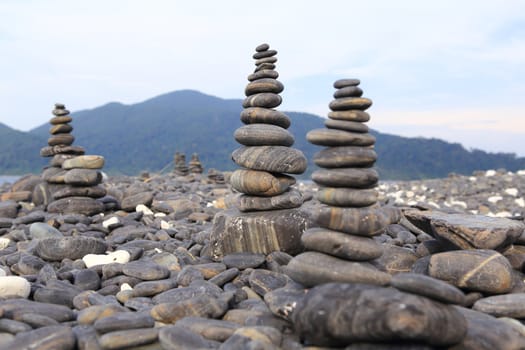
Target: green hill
145 136
20 151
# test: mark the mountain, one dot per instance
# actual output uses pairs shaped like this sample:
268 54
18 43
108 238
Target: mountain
20 151
145 136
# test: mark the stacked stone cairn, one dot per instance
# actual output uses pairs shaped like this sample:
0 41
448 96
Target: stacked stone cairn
266 158
195 165
72 180
349 216
181 168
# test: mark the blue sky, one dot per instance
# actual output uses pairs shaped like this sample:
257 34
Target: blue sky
449 69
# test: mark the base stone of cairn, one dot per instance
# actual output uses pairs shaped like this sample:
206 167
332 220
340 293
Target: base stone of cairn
72 180
341 248
266 215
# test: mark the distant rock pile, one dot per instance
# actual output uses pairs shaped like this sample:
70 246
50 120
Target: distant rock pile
181 168
195 165
266 157
350 216
72 181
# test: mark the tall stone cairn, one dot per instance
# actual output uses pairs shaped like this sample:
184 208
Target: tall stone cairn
349 215
72 179
266 156
195 165
265 214
181 168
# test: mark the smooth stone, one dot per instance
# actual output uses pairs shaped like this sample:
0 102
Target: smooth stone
60 129
91 313
262 47
87 280
287 200
366 221
258 232
60 139
50 151
265 66
486 271
348 91
124 320
86 337
263 85
44 338
129 203
183 337
350 103
265 73
84 162
313 268
57 292
54 175
334 137
118 256
350 115
59 159
83 177
14 287
146 271
346 177
257 115
201 305
428 287
346 125
14 308
395 259
196 288
38 230
9 209
283 301
272 60
243 260
508 305
224 277
264 53
13 327
341 245
345 156
128 338
74 247
276 159
263 135
60 119
218 330
338 314
79 191
264 100
151 288
347 197
474 231
28 265
254 337
260 183
515 254
264 281
189 274
342 83
487 333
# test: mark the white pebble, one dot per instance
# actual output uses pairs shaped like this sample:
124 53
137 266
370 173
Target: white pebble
475 212
14 287
119 256
4 242
2 272
159 215
495 199
164 225
503 214
458 203
521 172
512 191
489 173
409 194
125 286
111 221
520 202
412 203
434 204
158 251
142 208
473 179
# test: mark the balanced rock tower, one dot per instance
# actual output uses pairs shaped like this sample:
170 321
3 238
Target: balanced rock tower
72 180
265 217
181 168
349 215
195 165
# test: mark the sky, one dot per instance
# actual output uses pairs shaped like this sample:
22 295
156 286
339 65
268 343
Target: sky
453 70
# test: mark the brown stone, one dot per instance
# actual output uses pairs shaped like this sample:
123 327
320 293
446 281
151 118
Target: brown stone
287 200
334 137
348 103
277 159
265 73
344 157
346 177
346 125
60 129
348 91
76 205
260 183
264 100
61 139
350 115
347 197
263 135
256 115
264 85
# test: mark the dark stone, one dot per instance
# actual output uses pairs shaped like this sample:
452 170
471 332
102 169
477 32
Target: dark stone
201 305
263 135
257 115
264 100
79 191
508 305
218 330
346 125
347 197
342 83
44 338
182 337
60 129
265 73
264 281
255 337
348 91
60 140
124 320
83 177
287 200
312 268
14 308
263 85
76 247
151 288
243 260
129 203
350 115
340 314
50 151
76 205
428 287
350 103
283 301
145 270
342 157
277 159
335 137
395 259
262 54
8 209
128 338
346 177
260 183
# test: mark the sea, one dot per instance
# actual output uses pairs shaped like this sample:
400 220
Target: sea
8 178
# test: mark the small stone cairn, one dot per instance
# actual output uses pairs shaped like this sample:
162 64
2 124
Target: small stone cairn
265 158
195 165
72 181
349 215
181 168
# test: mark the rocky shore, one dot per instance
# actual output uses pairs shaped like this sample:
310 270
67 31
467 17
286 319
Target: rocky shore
140 275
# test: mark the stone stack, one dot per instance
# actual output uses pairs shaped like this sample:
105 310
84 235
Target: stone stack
266 158
349 215
72 181
195 165
181 168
